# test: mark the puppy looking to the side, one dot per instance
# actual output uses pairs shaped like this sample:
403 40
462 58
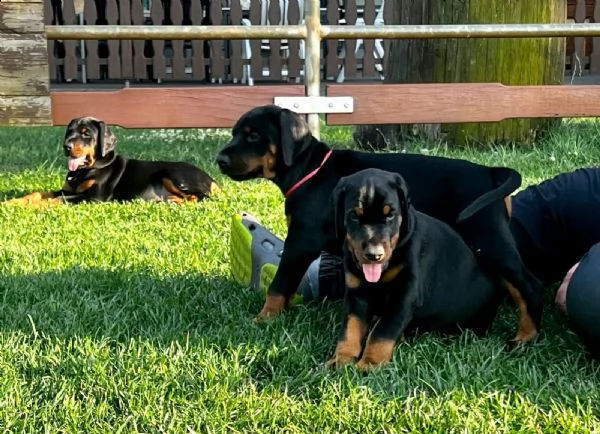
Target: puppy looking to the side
97 173
404 271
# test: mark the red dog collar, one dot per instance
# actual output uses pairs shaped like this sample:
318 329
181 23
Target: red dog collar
308 176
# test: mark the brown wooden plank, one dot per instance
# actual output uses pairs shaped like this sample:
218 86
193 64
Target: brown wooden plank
256 63
48 17
236 45
92 61
387 19
350 70
23 18
23 65
71 58
25 111
275 17
331 58
578 59
178 61
217 61
114 57
126 46
461 102
368 69
158 61
294 17
175 107
139 61
198 63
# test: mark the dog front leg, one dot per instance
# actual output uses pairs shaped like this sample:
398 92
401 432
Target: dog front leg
354 329
391 326
298 253
38 199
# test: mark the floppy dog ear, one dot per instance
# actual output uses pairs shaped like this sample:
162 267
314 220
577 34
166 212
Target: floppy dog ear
295 135
402 194
337 196
407 225
106 139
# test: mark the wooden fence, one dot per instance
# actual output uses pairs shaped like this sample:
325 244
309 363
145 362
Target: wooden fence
240 61
212 61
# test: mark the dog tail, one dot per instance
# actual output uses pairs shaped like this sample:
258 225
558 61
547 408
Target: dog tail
510 180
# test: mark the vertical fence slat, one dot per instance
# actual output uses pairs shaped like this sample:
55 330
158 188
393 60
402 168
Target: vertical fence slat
71 58
331 58
158 59
256 62
369 44
350 69
114 57
236 45
595 56
92 62
578 55
198 63
294 16
387 18
126 46
178 60
217 61
139 61
275 17
48 18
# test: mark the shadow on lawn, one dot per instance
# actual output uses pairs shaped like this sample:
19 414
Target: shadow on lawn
126 304
212 313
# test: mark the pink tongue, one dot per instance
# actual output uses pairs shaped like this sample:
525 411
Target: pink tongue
372 272
74 163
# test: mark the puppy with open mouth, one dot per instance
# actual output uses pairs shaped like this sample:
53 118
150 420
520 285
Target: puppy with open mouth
98 174
404 271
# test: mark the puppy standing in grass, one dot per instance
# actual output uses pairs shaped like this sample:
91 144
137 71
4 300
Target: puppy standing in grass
97 173
403 267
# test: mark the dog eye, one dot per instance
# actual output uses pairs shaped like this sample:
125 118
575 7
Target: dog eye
253 137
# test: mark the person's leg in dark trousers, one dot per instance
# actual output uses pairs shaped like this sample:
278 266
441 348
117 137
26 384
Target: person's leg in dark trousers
583 301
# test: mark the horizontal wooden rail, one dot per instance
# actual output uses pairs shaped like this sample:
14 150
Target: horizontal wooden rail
462 102
221 106
169 107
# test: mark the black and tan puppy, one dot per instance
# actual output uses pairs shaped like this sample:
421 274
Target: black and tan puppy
97 173
403 267
274 143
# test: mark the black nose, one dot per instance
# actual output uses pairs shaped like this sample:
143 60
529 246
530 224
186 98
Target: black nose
376 257
223 160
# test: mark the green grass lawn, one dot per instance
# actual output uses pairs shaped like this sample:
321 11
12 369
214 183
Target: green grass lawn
124 318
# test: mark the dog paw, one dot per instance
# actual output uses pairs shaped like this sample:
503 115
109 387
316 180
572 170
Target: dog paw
274 305
366 364
339 360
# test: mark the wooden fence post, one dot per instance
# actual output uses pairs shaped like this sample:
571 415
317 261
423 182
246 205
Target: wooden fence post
24 73
510 61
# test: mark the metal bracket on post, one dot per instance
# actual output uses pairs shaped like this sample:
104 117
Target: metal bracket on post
316 104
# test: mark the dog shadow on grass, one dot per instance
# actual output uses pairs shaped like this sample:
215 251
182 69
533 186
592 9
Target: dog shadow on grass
212 316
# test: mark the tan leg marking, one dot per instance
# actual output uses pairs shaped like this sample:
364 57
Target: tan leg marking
274 305
349 347
527 329
85 185
376 353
